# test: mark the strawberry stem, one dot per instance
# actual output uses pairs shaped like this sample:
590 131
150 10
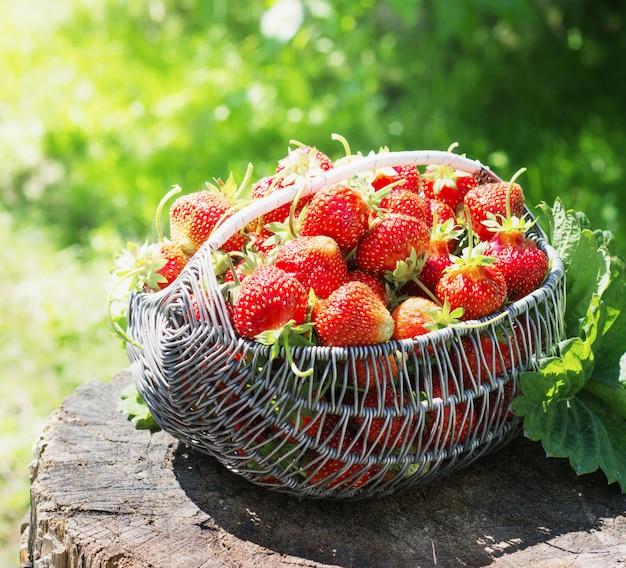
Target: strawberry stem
508 190
244 182
344 143
159 210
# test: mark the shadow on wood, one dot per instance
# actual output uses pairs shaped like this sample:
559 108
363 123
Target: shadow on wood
106 495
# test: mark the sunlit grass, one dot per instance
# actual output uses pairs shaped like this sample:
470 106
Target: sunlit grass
53 337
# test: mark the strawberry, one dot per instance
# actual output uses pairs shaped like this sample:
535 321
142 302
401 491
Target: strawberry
407 202
447 185
523 264
472 283
268 299
374 370
383 432
194 216
451 429
417 316
491 198
396 238
339 212
303 161
315 261
175 260
443 240
352 315
264 187
443 211
374 282
408 176
335 473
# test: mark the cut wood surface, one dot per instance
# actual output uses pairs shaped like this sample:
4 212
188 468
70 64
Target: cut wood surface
106 495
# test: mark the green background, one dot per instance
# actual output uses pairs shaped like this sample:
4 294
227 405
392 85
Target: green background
105 104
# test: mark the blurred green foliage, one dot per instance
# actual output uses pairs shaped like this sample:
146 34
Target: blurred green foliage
105 104
123 99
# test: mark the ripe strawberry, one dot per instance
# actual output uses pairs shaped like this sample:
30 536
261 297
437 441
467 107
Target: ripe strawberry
374 371
454 428
396 238
175 260
339 212
194 216
409 175
335 473
374 282
268 299
523 264
443 240
472 283
149 267
303 161
417 316
352 315
492 198
264 187
383 432
315 261
407 202
443 211
447 184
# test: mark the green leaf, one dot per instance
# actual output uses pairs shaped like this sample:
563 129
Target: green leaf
134 406
588 274
583 430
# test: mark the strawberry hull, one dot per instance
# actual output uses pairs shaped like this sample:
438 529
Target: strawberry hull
337 421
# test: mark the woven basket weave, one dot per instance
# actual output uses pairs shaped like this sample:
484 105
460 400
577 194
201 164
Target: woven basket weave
222 394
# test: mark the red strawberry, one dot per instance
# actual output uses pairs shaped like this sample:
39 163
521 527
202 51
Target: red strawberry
175 260
451 429
383 432
408 175
352 315
268 299
396 238
443 211
374 370
339 212
374 282
407 202
303 161
335 473
264 187
194 216
417 316
472 283
149 267
443 240
523 264
447 184
316 262
491 198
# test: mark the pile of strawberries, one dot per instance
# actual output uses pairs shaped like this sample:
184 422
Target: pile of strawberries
390 254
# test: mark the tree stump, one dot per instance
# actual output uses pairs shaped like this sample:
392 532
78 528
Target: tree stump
106 495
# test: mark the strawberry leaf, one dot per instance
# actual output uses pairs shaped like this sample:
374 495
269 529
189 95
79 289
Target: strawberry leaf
583 430
136 409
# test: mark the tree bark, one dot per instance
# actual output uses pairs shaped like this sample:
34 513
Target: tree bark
104 494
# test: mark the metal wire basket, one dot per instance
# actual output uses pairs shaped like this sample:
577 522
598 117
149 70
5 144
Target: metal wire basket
431 405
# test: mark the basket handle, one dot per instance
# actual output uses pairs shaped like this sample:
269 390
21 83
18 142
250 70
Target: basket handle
353 167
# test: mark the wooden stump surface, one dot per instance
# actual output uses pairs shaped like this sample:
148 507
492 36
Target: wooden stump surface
106 495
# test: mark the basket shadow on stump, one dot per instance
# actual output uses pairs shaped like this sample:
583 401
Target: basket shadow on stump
505 502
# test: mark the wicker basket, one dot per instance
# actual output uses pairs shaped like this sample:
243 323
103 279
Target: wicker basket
223 395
